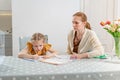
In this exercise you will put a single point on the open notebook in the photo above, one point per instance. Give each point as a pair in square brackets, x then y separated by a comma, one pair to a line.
[57, 60]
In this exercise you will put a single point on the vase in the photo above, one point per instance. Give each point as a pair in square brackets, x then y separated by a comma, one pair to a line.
[117, 46]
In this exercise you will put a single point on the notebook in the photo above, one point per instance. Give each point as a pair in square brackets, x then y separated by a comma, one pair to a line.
[57, 60]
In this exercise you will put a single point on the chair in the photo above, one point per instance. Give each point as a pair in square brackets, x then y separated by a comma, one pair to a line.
[24, 40]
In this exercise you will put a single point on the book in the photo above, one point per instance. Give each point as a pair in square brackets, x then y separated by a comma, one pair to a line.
[57, 60]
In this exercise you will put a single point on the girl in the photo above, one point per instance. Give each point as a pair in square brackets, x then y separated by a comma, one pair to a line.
[37, 47]
[82, 41]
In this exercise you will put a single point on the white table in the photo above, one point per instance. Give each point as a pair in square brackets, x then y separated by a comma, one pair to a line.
[84, 69]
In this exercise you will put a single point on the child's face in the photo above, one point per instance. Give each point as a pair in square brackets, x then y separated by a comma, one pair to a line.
[38, 45]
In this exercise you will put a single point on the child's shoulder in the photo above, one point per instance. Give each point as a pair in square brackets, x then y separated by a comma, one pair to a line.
[47, 46]
[29, 44]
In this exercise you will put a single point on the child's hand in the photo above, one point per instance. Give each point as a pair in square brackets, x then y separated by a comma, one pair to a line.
[35, 57]
[48, 56]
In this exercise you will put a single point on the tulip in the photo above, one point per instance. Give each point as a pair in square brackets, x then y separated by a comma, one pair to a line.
[102, 23]
[108, 22]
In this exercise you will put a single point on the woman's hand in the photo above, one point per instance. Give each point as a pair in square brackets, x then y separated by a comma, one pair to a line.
[74, 56]
[78, 56]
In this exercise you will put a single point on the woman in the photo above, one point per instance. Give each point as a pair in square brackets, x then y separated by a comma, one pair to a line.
[37, 47]
[82, 41]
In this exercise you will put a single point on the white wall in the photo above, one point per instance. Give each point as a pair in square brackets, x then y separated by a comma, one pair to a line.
[98, 11]
[117, 9]
[51, 17]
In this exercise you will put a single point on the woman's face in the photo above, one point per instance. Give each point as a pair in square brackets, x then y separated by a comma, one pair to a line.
[77, 23]
[38, 45]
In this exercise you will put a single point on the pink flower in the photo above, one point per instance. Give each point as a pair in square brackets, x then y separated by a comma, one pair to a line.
[112, 27]
[108, 22]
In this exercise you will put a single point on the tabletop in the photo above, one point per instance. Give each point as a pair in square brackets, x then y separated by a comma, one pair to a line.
[13, 68]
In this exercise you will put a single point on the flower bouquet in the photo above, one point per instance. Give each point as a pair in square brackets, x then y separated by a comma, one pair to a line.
[114, 29]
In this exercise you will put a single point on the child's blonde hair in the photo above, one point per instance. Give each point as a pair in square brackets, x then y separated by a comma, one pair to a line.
[37, 37]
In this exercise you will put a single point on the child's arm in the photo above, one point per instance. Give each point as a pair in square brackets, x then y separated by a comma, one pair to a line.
[53, 53]
[24, 54]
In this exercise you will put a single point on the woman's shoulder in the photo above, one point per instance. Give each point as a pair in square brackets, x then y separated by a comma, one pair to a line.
[71, 32]
[90, 32]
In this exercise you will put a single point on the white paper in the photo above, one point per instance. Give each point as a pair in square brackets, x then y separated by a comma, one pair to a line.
[63, 56]
[58, 59]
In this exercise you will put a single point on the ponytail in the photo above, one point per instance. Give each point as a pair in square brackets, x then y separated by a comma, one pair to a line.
[87, 25]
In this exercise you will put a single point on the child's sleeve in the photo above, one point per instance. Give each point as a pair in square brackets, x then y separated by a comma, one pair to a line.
[48, 46]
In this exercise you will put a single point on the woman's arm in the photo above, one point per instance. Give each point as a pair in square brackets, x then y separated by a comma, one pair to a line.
[79, 56]
[97, 48]
[69, 41]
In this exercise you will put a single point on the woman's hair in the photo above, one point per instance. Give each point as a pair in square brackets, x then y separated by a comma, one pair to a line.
[37, 37]
[83, 18]
[87, 25]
